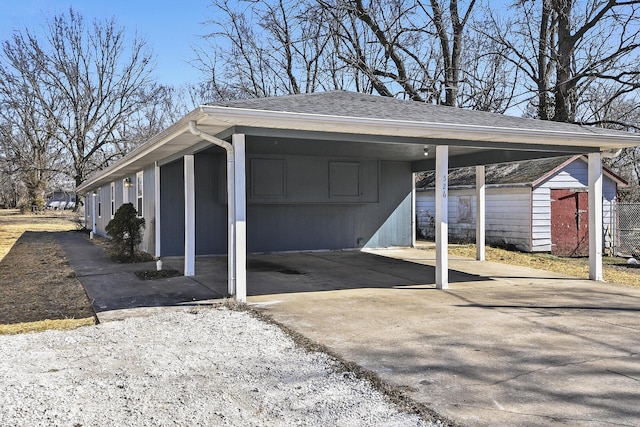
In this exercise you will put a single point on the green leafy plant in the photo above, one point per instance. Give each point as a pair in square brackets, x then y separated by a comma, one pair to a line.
[125, 230]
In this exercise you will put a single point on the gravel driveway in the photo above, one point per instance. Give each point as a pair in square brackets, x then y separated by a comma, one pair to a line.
[211, 367]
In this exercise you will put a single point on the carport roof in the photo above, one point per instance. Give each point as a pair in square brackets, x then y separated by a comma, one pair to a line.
[475, 137]
[530, 172]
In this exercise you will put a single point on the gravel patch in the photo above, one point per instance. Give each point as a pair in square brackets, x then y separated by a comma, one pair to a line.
[210, 367]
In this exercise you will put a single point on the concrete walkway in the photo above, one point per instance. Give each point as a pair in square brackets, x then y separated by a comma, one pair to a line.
[504, 346]
[116, 292]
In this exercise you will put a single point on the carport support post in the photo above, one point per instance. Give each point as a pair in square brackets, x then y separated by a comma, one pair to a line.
[240, 212]
[595, 216]
[413, 210]
[480, 212]
[156, 202]
[442, 216]
[189, 217]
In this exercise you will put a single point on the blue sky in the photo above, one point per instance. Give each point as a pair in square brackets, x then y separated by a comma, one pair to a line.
[171, 28]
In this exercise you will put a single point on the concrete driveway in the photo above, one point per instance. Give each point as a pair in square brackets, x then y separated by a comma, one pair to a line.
[505, 345]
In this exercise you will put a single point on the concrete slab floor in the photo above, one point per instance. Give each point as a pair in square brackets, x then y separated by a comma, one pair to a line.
[504, 345]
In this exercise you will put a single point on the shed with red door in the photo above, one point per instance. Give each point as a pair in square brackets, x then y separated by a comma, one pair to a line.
[534, 206]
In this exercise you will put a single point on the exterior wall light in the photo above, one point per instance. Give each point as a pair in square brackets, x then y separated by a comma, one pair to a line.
[127, 182]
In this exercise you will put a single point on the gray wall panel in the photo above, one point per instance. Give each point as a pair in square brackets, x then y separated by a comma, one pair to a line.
[149, 210]
[172, 207]
[286, 227]
[211, 215]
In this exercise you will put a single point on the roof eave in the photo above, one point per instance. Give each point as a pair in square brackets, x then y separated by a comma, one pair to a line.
[415, 129]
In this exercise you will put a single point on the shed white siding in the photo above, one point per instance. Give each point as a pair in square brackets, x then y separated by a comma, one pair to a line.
[541, 220]
[517, 216]
[508, 216]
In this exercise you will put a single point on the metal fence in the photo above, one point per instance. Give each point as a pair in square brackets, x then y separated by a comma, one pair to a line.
[626, 237]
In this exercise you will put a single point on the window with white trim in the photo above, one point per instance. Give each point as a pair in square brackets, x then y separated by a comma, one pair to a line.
[99, 202]
[139, 192]
[113, 199]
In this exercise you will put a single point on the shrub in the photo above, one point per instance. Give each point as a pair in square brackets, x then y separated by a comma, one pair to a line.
[126, 231]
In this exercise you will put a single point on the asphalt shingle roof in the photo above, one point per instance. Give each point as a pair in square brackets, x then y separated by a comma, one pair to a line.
[352, 104]
[505, 173]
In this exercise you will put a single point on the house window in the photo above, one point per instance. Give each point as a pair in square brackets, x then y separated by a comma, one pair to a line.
[113, 199]
[139, 193]
[99, 203]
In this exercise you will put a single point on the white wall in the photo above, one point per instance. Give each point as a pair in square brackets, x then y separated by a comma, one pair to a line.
[508, 215]
[517, 216]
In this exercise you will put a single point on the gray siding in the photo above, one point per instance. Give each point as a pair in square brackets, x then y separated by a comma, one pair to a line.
[211, 214]
[319, 211]
[293, 203]
[149, 210]
[172, 208]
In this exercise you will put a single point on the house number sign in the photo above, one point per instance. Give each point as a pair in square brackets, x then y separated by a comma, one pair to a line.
[444, 185]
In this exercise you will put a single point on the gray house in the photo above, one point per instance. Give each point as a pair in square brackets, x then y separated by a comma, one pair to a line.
[318, 171]
[536, 206]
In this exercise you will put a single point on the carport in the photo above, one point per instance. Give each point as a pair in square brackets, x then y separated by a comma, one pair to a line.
[343, 161]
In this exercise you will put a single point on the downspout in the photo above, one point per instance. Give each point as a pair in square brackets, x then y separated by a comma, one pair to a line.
[193, 128]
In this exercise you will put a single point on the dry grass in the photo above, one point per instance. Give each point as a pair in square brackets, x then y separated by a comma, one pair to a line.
[614, 269]
[13, 224]
[38, 288]
[44, 325]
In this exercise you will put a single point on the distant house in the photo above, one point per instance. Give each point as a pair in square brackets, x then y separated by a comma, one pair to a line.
[535, 206]
[60, 199]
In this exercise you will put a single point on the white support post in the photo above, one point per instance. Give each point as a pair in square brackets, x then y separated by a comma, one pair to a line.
[189, 217]
[94, 222]
[480, 213]
[157, 208]
[595, 216]
[442, 216]
[238, 141]
[414, 226]
[231, 217]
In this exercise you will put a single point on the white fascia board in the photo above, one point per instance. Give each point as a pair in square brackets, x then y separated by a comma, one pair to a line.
[140, 152]
[425, 130]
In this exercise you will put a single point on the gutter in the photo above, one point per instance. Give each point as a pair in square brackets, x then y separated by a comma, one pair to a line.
[231, 212]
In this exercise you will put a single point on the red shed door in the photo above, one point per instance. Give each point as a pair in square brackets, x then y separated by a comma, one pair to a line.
[569, 223]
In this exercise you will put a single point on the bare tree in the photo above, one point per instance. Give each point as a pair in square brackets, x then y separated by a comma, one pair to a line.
[85, 90]
[265, 48]
[565, 47]
[401, 48]
[30, 151]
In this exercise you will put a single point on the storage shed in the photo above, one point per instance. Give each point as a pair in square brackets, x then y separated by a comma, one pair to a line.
[535, 206]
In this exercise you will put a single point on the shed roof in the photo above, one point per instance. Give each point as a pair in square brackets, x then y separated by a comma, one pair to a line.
[373, 125]
[530, 172]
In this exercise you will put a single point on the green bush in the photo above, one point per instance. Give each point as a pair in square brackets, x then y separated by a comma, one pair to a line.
[125, 230]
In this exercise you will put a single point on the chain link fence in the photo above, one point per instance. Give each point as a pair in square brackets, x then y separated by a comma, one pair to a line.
[626, 236]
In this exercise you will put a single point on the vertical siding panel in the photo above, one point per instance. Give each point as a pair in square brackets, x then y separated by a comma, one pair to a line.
[172, 206]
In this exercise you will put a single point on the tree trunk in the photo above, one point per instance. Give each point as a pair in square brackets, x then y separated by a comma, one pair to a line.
[564, 92]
